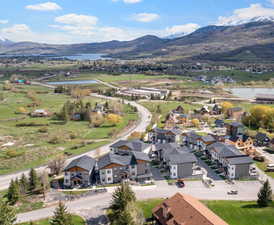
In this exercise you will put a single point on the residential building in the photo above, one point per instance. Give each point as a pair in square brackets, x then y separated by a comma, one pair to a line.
[216, 110]
[145, 92]
[40, 113]
[235, 164]
[79, 172]
[114, 168]
[182, 209]
[204, 141]
[181, 164]
[235, 129]
[124, 147]
[261, 139]
[158, 135]
[219, 123]
[243, 143]
[265, 98]
[190, 140]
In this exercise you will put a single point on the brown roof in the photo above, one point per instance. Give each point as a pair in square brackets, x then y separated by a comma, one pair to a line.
[185, 210]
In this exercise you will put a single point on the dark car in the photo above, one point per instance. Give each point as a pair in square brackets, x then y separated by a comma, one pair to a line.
[180, 183]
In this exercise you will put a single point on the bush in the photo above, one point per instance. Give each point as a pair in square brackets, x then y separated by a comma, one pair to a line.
[31, 124]
[56, 140]
[13, 153]
[43, 130]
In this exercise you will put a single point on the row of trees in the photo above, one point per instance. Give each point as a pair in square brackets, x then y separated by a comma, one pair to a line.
[32, 184]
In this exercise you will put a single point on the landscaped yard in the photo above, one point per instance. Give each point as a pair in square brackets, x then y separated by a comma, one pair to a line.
[77, 220]
[233, 212]
[32, 145]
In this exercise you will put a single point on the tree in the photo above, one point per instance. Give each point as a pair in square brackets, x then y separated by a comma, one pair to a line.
[113, 119]
[158, 109]
[33, 180]
[56, 166]
[23, 184]
[96, 120]
[225, 106]
[7, 213]
[195, 123]
[45, 183]
[13, 192]
[61, 216]
[265, 195]
[136, 136]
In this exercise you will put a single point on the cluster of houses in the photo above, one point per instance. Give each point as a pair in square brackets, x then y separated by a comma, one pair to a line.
[145, 92]
[219, 80]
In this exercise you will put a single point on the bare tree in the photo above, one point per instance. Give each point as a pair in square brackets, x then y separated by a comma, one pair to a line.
[56, 166]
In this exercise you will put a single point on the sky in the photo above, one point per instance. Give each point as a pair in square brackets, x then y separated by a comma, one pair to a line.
[87, 21]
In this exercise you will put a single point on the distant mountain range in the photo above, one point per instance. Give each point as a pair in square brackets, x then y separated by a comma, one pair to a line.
[249, 42]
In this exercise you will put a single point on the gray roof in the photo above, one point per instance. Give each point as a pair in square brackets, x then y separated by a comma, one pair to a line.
[182, 158]
[160, 146]
[208, 138]
[175, 131]
[141, 156]
[236, 124]
[110, 158]
[240, 160]
[134, 145]
[224, 150]
[84, 162]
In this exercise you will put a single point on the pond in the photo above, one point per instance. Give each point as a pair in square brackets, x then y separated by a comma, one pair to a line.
[82, 57]
[250, 93]
[73, 82]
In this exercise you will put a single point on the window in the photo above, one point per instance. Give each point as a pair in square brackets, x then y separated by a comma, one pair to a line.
[109, 179]
[133, 167]
[103, 180]
[108, 171]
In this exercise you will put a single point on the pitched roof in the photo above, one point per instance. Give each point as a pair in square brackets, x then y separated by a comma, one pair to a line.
[141, 156]
[181, 158]
[111, 158]
[236, 124]
[186, 210]
[208, 138]
[84, 162]
[134, 145]
[224, 150]
[164, 131]
[240, 160]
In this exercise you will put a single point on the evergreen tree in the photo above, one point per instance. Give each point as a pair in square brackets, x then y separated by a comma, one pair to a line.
[265, 195]
[123, 218]
[23, 184]
[61, 216]
[7, 213]
[13, 192]
[122, 196]
[33, 180]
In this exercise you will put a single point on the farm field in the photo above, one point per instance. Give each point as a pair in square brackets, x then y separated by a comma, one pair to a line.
[31, 146]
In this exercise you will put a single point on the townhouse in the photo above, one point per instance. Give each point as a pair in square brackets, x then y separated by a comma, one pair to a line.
[80, 172]
[114, 168]
[124, 147]
[158, 135]
[190, 140]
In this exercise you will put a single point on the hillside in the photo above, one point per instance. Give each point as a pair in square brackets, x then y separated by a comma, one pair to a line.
[246, 42]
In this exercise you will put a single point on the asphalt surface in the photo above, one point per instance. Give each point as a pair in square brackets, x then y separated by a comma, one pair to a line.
[141, 125]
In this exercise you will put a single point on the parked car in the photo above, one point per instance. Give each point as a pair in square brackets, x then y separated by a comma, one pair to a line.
[180, 183]
[232, 192]
[259, 158]
[270, 167]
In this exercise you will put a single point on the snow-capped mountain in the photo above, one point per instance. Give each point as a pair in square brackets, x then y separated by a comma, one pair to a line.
[174, 36]
[4, 41]
[235, 22]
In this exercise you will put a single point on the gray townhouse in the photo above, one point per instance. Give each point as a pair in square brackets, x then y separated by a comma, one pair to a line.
[235, 164]
[79, 172]
[191, 140]
[114, 168]
[125, 147]
[204, 141]
[158, 135]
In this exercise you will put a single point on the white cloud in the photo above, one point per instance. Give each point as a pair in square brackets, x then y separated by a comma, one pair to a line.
[77, 19]
[272, 2]
[47, 6]
[254, 11]
[182, 29]
[145, 17]
[4, 21]
[129, 1]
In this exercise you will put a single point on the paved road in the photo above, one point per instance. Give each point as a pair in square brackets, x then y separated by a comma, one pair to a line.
[143, 122]
[93, 207]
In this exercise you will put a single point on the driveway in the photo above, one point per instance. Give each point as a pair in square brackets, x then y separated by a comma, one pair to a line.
[143, 122]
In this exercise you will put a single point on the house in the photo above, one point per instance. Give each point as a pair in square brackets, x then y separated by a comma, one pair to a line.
[181, 164]
[182, 209]
[235, 164]
[144, 92]
[265, 98]
[158, 135]
[216, 110]
[79, 172]
[219, 123]
[124, 147]
[234, 129]
[114, 168]
[204, 141]
[190, 140]
[40, 113]
[235, 113]
[243, 143]
[178, 117]
[261, 140]
[99, 108]
[203, 111]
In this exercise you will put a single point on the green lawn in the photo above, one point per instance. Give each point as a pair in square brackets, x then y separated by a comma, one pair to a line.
[262, 166]
[77, 220]
[233, 212]
[32, 147]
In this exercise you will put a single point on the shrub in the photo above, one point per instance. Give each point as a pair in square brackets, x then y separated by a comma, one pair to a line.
[43, 130]
[12, 153]
[56, 140]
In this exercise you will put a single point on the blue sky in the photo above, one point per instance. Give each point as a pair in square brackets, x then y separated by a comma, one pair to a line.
[75, 21]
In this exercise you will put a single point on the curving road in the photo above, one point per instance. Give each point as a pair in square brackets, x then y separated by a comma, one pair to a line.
[143, 122]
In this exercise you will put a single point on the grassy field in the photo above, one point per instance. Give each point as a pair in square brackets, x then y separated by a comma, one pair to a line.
[77, 220]
[233, 212]
[32, 147]
[262, 166]
[165, 108]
